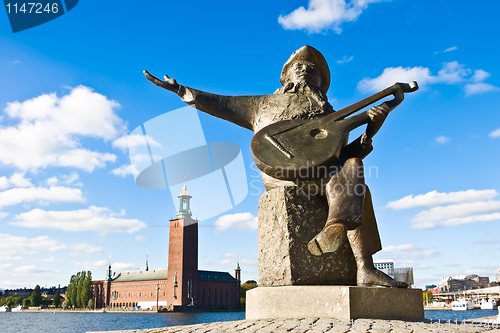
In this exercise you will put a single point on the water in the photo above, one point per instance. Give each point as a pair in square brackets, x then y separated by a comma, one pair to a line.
[64, 322]
[445, 315]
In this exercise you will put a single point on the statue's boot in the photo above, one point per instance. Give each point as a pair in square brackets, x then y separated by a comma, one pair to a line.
[367, 275]
[345, 193]
[333, 235]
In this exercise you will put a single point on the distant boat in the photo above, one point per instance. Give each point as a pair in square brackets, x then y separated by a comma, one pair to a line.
[17, 309]
[488, 304]
[4, 308]
[462, 305]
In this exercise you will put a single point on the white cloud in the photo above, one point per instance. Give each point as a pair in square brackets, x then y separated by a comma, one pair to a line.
[15, 245]
[91, 265]
[479, 88]
[16, 62]
[140, 238]
[49, 129]
[453, 48]
[30, 269]
[126, 141]
[232, 262]
[452, 73]
[238, 220]
[480, 75]
[52, 181]
[324, 14]
[125, 170]
[125, 267]
[345, 59]
[50, 260]
[408, 251]
[393, 248]
[395, 74]
[5, 266]
[495, 133]
[84, 248]
[16, 196]
[16, 180]
[11, 258]
[66, 179]
[452, 215]
[101, 265]
[3, 214]
[91, 219]
[230, 255]
[443, 139]
[482, 270]
[435, 198]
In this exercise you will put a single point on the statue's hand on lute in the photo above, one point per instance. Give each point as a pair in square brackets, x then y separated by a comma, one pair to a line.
[377, 115]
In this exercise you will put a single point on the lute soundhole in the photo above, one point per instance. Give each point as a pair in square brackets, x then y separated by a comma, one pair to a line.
[319, 134]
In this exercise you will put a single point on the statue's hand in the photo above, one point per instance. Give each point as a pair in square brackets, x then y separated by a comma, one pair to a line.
[378, 113]
[377, 116]
[365, 140]
[169, 83]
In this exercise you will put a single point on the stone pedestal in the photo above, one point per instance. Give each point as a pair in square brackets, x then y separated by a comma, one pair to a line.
[335, 302]
[288, 220]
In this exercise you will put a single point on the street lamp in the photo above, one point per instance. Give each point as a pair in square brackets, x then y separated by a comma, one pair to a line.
[157, 290]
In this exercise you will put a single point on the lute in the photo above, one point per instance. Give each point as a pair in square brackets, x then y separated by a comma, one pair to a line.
[306, 148]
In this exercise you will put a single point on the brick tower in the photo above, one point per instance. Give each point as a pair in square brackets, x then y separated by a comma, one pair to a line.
[182, 283]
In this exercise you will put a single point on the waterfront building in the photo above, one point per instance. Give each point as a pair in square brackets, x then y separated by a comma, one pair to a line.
[497, 276]
[461, 282]
[401, 274]
[384, 265]
[177, 287]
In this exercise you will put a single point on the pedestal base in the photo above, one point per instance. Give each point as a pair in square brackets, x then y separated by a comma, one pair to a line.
[288, 220]
[336, 302]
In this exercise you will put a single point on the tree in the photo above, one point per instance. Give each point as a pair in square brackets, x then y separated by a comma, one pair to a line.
[86, 289]
[57, 299]
[26, 303]
[66, 304]
[80, 289]
[36, 296]
[90, 304]
[11, 301]
[250, 284]
[427, 296]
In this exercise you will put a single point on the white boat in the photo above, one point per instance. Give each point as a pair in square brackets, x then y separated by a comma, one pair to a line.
[462, 305]
[17, 309]
[488, 304]
[4, 308]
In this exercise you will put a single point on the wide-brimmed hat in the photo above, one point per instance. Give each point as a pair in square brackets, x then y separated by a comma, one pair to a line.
[308, 53]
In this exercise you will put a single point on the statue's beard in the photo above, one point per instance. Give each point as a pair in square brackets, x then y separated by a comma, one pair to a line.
[306, 88]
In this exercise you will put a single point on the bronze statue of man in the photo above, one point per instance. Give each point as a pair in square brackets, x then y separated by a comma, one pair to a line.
[305, 79]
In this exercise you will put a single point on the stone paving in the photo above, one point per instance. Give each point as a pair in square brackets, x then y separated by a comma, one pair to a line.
[316, 325]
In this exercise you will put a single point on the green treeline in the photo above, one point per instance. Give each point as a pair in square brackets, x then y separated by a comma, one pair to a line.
[35, 299]
[250, 284]
[78, 294]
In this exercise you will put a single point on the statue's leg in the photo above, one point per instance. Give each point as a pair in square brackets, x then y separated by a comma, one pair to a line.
[344, 193]
[365, 241]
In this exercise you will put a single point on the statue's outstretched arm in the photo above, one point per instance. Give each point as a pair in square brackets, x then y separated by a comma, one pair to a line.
[240, 110]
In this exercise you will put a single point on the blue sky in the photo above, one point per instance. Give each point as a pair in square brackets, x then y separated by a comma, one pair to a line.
[71, 89]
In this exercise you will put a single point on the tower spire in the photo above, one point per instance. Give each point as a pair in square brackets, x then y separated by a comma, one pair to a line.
[108, 273]
[184, 204]
[147, 267]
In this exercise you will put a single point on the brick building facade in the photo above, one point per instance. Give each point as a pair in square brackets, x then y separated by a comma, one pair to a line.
[181, 285]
